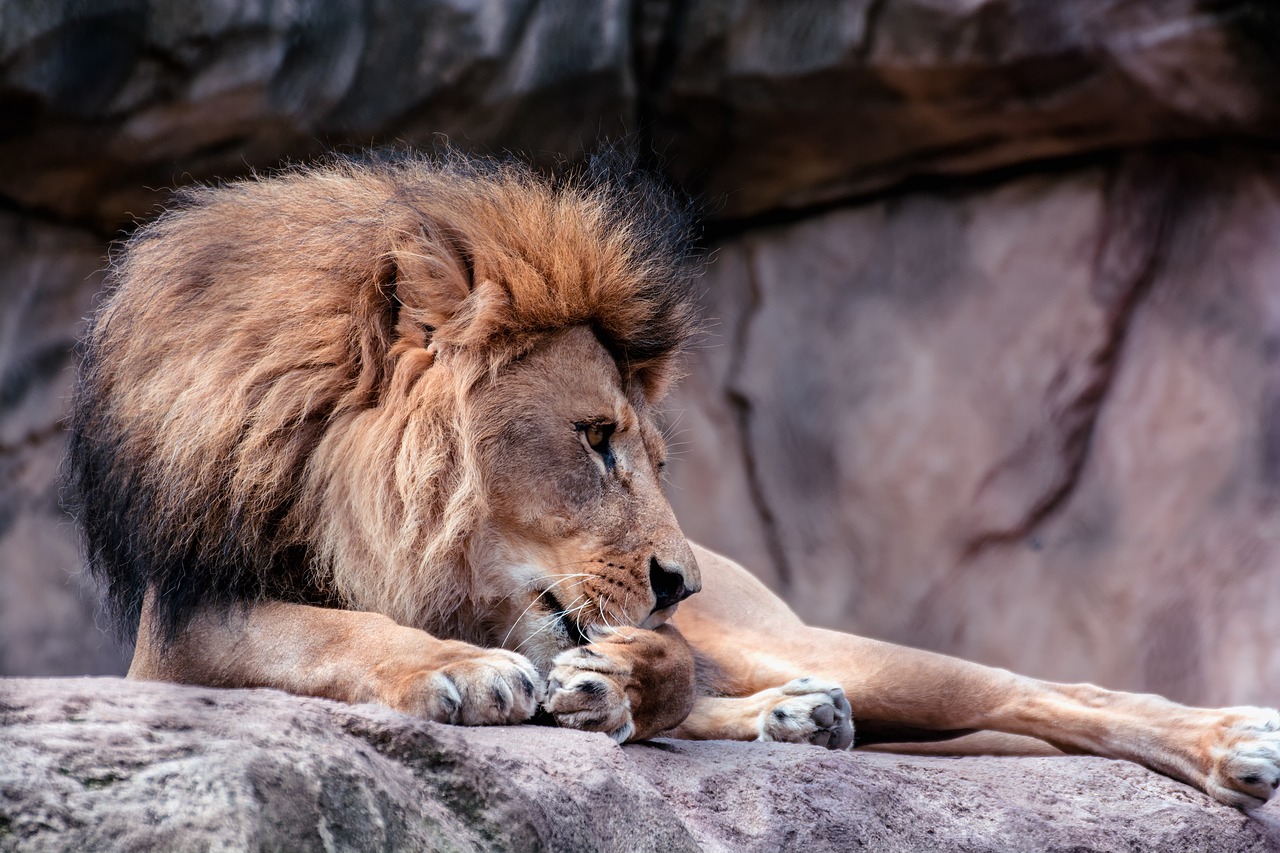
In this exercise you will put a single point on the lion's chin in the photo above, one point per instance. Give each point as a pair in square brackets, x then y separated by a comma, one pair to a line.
[658, 618]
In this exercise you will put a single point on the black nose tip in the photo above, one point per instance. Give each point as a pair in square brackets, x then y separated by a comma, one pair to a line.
[668, 585]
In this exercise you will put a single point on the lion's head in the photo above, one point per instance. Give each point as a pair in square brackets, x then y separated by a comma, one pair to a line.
[421, 387]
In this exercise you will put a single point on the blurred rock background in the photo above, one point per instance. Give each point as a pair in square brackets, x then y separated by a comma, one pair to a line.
[993, 363]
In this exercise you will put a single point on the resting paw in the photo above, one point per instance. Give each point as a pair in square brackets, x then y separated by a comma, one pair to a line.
[587, 690]
[495, 687]
[1245, 759]
[808, 710]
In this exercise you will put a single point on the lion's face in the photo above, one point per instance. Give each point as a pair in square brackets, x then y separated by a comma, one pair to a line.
[579, 538]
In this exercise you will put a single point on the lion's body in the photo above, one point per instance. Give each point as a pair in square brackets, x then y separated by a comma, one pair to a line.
[388, 431]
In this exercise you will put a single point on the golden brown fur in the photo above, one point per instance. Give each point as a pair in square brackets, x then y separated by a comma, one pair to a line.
[387, 432]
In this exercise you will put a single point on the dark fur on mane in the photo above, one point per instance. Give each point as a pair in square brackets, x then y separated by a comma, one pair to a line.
[250, 318]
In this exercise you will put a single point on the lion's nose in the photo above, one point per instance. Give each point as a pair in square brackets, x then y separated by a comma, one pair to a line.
[668, 584]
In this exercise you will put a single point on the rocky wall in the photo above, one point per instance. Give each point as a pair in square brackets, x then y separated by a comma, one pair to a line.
[989, 365]
[1036, 414]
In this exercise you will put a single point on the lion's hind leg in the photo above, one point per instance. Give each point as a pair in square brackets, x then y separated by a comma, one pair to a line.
[805, 710]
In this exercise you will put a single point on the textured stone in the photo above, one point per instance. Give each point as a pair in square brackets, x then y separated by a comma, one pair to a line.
[47, 608]
[105, 764]
[759, 105]
[785, 105]
[103, 102]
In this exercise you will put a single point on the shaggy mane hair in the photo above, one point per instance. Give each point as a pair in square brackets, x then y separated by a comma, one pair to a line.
[262, 410]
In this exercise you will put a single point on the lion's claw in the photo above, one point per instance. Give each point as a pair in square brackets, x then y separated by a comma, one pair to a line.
[495, 688]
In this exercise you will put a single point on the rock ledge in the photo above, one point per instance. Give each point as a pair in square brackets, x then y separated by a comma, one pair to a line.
[107, 764]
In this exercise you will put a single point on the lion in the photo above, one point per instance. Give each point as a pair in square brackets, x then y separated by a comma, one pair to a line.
[387, 430]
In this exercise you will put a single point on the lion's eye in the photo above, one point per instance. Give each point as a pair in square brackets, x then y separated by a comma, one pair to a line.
[596, 435]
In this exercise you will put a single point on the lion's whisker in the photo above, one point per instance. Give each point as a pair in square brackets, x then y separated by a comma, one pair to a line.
[574, 611]
[579, 608]
[534, 585]
[609, 627]
[548, 622]
[551, 621]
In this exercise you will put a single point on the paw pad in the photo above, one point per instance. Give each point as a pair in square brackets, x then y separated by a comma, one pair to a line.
[811, 711]
[1246, 772]
[587, 691]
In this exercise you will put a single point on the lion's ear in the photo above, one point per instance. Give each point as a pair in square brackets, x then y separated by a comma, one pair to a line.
[481, 318]
[438, 299]
[432, 284]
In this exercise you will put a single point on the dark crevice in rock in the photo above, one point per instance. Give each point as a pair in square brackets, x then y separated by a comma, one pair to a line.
[1252, 30]
[870, 23]
[1141, 204]
[741, 405]
[52, 217]
[718, 230]
[655, 35]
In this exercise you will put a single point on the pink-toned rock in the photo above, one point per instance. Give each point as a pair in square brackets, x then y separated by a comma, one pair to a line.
[105, 764]
[47, 281]
[1031, 423]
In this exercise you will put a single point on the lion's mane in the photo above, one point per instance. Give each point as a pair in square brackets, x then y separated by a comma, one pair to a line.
[257, 415]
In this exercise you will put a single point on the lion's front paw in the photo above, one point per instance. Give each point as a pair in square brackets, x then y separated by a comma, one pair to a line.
[808, 710]
[587, 690]
[1245, 759]
[494, 687]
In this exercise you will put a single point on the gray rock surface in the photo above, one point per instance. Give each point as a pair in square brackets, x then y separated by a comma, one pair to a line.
[759, 105]
[104, 764]
[105, 102]
[786, 105]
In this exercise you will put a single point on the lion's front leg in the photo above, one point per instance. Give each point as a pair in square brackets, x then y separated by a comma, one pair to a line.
[631, 685]
[345, 655]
